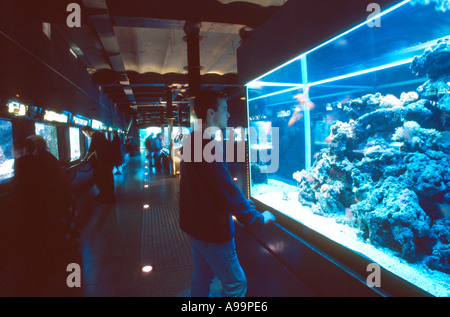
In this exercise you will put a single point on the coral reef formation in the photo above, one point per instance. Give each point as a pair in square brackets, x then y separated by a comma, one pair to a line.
[434, 62]
[387, 170]
[439, 5]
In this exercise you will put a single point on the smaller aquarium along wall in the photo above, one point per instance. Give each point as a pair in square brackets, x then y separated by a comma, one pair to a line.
[6, 151]
[361, 127]
[74, 142]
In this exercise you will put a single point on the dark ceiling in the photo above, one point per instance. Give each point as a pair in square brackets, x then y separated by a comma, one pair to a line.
[138, 51]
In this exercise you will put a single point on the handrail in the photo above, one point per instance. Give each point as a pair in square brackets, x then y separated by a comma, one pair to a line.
[76, 169]
[81, 163]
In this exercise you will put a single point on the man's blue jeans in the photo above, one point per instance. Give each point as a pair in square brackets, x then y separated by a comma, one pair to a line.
[220, 260]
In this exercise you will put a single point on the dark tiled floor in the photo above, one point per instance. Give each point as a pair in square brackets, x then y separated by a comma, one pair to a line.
[118, 239]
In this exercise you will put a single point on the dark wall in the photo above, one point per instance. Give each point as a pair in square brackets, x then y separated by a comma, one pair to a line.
[43, 72]
[298, 26]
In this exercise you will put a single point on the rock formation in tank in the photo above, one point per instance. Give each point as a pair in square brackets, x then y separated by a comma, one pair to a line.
[387, 170]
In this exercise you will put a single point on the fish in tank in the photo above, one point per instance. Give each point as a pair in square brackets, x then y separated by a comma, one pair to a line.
[364, 150]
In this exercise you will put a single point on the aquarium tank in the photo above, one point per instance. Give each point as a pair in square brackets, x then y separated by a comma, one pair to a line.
[74, 137]
[49, 134]
[6, 151]
[351, 139]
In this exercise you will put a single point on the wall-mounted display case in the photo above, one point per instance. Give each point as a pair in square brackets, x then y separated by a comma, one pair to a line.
[74, 143]
[351, 139]
[49, 132]
[6, 150]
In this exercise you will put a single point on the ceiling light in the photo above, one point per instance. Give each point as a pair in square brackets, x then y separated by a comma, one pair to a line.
[147, 268]
[46, 28]
[128, 90]
[73, 53]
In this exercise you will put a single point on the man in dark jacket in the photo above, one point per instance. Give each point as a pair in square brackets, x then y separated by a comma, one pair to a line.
[100, 148]
[116, 150]
[208, 199]
[157, 146]
[148, 146]
[44, 193]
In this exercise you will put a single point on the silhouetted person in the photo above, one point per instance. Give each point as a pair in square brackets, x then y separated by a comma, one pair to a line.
[157, 146]
[26, 199]
[117, 152]
[26, 178]
[148, 146]
[45, 195]
[26, 189]
[53, 180]
[131, 146]
[100, 151]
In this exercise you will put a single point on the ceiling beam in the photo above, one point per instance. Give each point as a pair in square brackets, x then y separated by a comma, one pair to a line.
[104, 28]
[109, 78]
[243, 13]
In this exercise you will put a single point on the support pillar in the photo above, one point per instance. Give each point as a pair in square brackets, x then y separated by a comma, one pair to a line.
[170, 119]
[193, 38]
[171, 155]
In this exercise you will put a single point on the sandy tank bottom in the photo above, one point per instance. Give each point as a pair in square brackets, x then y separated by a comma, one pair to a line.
[274, 194]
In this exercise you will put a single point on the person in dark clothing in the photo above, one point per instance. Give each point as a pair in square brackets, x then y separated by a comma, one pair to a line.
[26, 181]
[131, 146]
[208, 199]
[52, 179]
[45, 192]
[148, 146]
[100, 151]
[26, 197]
[157, 146]
[26, 190]
[116, 152]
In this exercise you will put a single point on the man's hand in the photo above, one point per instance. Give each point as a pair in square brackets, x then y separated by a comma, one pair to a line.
[268, 217]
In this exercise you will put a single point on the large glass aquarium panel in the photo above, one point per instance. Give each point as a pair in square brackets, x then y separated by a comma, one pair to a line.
[361, 126]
